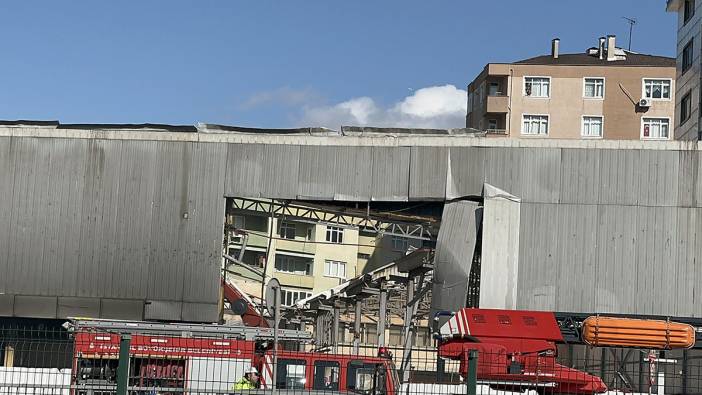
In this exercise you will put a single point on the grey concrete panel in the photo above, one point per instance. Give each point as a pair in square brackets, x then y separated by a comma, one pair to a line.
[621, 186]
[78, 307]
[390, 174]
[163, 310]
[540, 179]
[122, 309]
[35, 306]
[7, 305]
[503, 169]
[428, 169]
[537, 264]
[499, 265]
[465, 172]
[580, 174]
[262, 170]
[657, 187]
[341, 173]
[576, 231]
[200, 312]
[688, 173]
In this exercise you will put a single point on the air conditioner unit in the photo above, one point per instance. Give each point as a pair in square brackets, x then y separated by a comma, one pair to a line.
[645, 103]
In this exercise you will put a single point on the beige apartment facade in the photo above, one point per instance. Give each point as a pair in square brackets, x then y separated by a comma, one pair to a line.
[604, 93]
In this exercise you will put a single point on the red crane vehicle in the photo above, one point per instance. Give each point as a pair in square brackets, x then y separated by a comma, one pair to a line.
[517, 349]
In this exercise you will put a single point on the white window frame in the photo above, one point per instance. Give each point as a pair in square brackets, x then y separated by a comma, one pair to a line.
[536, 76]
[328, 272]
[670, 93]
[582, 126]
[295, 295]
[331, 229]
[604, 86]
[670, 129]
[548, 125]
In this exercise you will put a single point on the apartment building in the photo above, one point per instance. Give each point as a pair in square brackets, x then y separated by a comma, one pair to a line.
[602, 93]
[307, 257]
[688, 76]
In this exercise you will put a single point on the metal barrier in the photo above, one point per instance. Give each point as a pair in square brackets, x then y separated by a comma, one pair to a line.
[41, 357]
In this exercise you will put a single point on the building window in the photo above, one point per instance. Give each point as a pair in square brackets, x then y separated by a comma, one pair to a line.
[592, 127]
[290, 374]
[594, 88]
[687, 56]
[685, 108]
[293, 264]
[335, 269]
[287, 230]
[492, 124]
[400, 243]
[535, 125]
[291, 296]
[326, 376]
[335, 234]
[657, 89]
[655, 128]
[494, 89]
[689, 10]
[537, 86]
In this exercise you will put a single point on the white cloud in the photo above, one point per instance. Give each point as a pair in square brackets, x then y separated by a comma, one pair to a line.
[430, 107]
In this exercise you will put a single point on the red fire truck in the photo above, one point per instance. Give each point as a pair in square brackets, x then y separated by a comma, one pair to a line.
[162, 361]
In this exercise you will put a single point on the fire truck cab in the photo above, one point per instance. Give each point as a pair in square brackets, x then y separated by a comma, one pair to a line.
[311, 371]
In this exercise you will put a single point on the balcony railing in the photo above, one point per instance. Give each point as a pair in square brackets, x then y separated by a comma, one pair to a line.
[496, 131]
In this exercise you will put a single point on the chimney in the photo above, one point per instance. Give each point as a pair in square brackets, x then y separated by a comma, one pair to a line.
[555, 43]
[601, 47]
[611, 45]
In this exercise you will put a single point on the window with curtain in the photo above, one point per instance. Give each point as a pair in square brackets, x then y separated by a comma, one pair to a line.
[535, 125]
[592, 126]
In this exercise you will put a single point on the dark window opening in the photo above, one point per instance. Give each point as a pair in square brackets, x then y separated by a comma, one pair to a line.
[290, 374]
[326, 375]
[688, 10]
[685, 108]
[687, 56]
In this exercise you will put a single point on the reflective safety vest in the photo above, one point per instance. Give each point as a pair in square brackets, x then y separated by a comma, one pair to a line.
[244, 384]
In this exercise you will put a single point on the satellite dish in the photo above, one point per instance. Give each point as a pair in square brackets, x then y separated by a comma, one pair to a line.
[271, 287]
[239, 307]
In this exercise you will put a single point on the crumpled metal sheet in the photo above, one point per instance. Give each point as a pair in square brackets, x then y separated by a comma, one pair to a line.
[455, 246]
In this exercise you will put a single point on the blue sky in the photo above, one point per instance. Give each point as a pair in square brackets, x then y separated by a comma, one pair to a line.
[284, 63]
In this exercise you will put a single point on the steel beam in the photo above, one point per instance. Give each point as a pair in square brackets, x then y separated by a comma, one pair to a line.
[407, 230]
[357, 327]
[383, 314]
[410, 308]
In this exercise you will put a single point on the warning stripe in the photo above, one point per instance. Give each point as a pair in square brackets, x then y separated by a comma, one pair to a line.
[466, 328]
[267, 371]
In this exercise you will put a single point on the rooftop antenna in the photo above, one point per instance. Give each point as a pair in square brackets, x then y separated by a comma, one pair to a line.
[632, 22]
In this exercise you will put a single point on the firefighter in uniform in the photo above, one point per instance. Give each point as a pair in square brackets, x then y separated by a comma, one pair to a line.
[249, 381]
